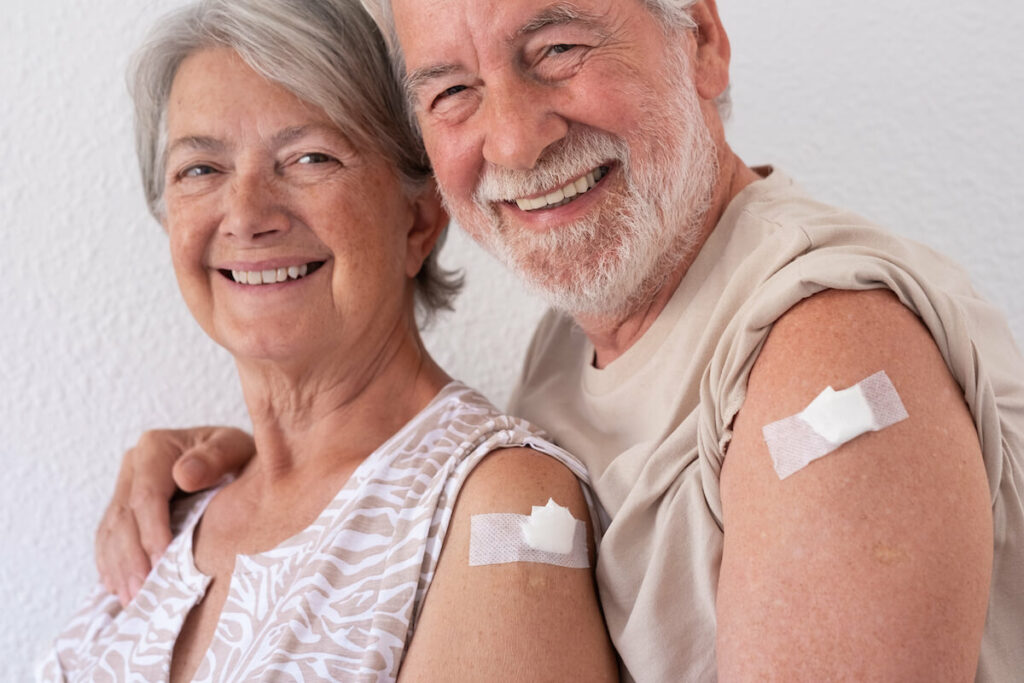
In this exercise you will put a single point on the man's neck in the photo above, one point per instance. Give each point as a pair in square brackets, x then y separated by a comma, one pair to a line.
[612, 337]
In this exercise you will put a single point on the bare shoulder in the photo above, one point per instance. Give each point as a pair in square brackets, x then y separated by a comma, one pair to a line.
[515, 479]
[518, 620]
[836, 570]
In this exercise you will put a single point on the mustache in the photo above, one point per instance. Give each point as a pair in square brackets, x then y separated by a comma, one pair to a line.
[582, 150]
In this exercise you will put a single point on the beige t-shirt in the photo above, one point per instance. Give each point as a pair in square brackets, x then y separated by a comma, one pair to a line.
[338, 601]
[654, 425]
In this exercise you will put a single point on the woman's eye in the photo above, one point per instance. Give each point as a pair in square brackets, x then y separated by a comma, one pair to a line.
[197, 170]
[314, 158]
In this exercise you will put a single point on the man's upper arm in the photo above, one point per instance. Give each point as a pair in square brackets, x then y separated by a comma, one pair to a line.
[513, 621]
[872, 562]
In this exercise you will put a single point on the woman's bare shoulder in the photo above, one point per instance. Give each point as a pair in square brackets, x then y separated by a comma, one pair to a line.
[519, 620]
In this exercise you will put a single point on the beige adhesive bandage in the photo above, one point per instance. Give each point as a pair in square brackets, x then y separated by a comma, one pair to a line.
[550, 535]
[832, 419]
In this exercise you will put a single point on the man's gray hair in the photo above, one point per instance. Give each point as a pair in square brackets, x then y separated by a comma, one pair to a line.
[674, 15]
[326, 52]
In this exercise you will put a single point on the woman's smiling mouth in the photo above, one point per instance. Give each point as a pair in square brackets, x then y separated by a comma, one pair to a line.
[271, 276]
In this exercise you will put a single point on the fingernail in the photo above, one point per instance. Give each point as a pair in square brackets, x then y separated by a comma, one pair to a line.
[134, 584]
[194, 468]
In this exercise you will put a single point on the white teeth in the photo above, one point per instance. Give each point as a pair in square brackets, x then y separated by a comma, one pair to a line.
[563, 194]
[269, 276]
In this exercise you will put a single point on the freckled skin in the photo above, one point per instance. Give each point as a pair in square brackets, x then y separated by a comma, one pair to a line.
[257, 179]
[261, 203]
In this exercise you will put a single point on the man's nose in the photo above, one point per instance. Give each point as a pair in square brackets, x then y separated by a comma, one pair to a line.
[520, 124]
[253, 209]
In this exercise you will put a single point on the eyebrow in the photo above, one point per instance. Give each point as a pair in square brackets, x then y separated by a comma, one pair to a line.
[206, 143]
[558, 14]
[195, 142]
[415, 80]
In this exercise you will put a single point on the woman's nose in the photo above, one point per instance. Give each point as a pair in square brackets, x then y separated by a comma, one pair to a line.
[254, 209]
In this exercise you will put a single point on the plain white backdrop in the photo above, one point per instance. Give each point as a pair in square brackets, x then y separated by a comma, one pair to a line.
[911, 113]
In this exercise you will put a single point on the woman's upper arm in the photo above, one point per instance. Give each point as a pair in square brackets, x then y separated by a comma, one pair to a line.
[516, 621]
[872, 562]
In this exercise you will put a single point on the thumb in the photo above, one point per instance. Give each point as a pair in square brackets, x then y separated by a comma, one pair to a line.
[215, 454]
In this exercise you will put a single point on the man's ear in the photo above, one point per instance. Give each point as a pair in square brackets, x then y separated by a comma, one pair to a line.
[711, 67]
[429, 221]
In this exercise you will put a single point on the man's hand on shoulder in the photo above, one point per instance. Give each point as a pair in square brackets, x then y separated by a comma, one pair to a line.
[872, 562]
[135, 529]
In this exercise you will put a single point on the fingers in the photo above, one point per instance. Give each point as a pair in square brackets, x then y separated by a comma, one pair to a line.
[135, 529]
[152, 488]
[214, 453]
[125, 566]
[120, 558]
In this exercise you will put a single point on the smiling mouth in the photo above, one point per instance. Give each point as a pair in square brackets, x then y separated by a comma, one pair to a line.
[272, 275]
[569, 192]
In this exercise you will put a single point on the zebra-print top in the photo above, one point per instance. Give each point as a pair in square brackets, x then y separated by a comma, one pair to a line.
[338, 601]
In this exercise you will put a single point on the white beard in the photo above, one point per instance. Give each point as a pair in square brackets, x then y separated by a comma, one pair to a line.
[616, 258]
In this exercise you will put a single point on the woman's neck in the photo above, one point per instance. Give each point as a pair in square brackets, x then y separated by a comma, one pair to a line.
[314, 420]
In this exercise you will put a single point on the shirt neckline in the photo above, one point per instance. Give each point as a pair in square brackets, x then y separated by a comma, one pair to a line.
[197, 581]
[601, 381]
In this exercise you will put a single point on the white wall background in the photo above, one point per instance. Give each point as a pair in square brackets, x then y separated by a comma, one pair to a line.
[911, 112]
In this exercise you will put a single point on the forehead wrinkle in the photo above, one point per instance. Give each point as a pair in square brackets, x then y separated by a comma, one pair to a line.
[557, 14]
[293, 133]
[208, 143]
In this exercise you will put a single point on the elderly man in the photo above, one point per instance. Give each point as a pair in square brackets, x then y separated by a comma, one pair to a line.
[698, 306]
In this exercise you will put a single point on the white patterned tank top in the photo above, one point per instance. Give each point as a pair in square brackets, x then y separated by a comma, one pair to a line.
[338, 601]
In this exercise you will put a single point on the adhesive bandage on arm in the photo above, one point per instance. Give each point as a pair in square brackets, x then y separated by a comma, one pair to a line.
[832, 419]
[550, 535]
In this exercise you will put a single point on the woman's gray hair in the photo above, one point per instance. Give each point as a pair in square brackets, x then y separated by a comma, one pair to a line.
[326, 52]
[673, 15]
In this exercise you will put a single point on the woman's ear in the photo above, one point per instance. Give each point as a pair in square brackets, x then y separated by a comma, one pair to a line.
[429, 221]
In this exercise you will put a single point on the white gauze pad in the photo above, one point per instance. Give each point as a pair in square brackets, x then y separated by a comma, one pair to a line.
[550, 535]
[832, 419]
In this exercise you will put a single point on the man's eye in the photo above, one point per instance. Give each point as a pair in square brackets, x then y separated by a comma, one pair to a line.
[314, 158]
[449, 92]
[561, 48]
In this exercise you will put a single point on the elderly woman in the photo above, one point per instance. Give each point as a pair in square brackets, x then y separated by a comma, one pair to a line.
[277, 155]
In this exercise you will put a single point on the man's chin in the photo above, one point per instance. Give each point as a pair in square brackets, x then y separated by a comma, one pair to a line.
[576, 293]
